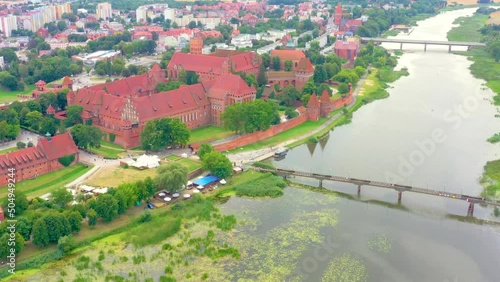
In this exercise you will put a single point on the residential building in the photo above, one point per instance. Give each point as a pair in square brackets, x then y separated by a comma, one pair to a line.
[169, 14]
[104, 11]
[38, 160]
[141, 14]
[123, 107]
[61, 9]
[8, 24]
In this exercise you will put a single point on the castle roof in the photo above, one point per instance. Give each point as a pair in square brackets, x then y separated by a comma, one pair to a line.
[227, 84]
[59, 146]
[305, 65]
[313, 101]
[50, 109]
[67, 81]
[325, 97]
[197, 63]
[40, 82]
[288, 55]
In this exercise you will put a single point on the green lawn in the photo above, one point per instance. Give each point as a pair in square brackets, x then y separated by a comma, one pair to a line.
[208, 133]
[468, 29]
[107, 152]
[111, 145]
[8, 150]
[190, 164]
[45, 183]
[10, 96]
[173, 157]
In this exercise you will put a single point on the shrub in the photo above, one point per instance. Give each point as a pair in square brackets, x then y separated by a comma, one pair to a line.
[264, 165]
[226, 222]
[30, 144]
[145, 217]
[495, 138]
[21, 145]
[313, 140]
[66, 160]
[266, 186]
[112, 137]
[88, 122]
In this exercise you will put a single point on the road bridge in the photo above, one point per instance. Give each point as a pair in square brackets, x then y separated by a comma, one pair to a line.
[370, 183]
[402, 41]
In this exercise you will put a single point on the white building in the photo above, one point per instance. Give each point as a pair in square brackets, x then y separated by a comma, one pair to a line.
[141, 14]
[169, 14]
[82, 11]
[8, 24]
[104, 11]
[2, 62]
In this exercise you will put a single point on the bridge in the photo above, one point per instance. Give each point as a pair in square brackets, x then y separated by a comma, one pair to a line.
[397, 187]
[423, 42]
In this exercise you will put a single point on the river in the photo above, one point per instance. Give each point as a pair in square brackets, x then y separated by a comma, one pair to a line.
[431, 132]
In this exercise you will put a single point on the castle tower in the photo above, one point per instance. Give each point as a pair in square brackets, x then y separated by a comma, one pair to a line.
[338, 14]
[67, 83]
[326, 105]
[196, 46]
[313, 108]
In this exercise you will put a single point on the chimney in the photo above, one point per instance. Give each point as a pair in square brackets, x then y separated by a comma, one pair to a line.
[48, 137]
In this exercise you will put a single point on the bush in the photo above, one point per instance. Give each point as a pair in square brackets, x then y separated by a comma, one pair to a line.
[264, 165]
[495, 138]
[226, 222]
[66, 160]
[88, 122]
[66, 243]
[112, 137]
[313, 140]
[21, 145]
[266, 186]
[145, 217]
[30, 144]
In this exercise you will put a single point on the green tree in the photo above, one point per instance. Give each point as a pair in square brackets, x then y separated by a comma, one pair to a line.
[60, 197]
[123, 203]
[75, 221]
[266, 60]
[204, 149]
[86, 136]
[92, 216]
[48, 124]
[288, 65]
[34, 119]
[6, 245]
[61, 25]
[305, 99]
[171, 177]
[276, 63]
[107, 207]
[319, 74]
[40, 233]
[66, 243]
[289, 95]
[261, 76]
[20, 200]
[73, 114]
[160, 133]
[218, 164]
[23, 226]
[343, 88]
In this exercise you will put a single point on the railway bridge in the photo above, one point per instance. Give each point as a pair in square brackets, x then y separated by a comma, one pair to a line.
[472, 200]
[422, 42]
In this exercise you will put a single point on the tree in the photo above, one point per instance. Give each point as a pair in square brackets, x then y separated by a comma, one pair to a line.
[8, 80]
[276, 63]
[23, 226]
[205, 148]
[20, 200]
[66, 243]
[289, 95]
[261, 76]
[171, 177]
[305, 99]
[122, 202]
[288, 65]
[61, 196]
[61, 25]
[343, 88]
[20, 145]
[40, 233]
[92, 216]
[86, 136]
[73, 114]
[75, 221]
[218, 164]
[191, 77]
[33, 120]
[160, 133]
[6, 245]
[266, 60]
[319, 74]
[48, 124]
[107, 207]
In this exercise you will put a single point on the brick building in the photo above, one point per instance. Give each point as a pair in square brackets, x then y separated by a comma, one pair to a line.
[41, 87]
[124, 106]
[302, 72]
[347, 49]
[40, 159]
[211, 66]
[288, 55]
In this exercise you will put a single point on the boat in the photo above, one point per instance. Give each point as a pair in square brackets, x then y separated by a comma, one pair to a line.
[281, 153]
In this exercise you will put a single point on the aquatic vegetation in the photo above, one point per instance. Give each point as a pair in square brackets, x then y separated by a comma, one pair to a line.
[380, 242]
[345, 268]
[268, 185]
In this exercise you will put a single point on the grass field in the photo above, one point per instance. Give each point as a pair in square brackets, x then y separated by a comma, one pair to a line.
[111, 145]
[114, 176]
[5, 151]
[45, 183]
[107, 152]
[10, 96]
[468, 28]
[207, 133]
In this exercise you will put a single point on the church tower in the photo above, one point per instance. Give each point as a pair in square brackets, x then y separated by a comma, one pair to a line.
[196, 46]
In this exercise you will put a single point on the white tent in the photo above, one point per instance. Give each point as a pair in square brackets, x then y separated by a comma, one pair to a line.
[101, 190]
[223, 181]
[145, 161]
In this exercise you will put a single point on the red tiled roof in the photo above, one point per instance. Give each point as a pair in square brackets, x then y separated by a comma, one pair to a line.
[305, 65]
[285, 55]
[346, 45]
[227, 84]
[40, 82]
[60, 146]
[354, 22]
[197, 63]
[142, 33]
[313, 101]
[50, 109]
[325, 97]
[22, 158]
[67, 80]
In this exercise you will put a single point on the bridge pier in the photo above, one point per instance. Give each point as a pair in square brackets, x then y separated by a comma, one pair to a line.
[321, 183]
[449, 49]
[359, 190]
[401, 46]
[400, 196]
[470, 211]
[425, 47]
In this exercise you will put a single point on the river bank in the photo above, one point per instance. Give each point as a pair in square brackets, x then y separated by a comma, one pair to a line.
[483, 67]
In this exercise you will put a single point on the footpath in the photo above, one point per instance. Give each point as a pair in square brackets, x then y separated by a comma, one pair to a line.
[264, 153]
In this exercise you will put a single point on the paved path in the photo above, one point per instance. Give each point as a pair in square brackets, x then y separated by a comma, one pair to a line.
[261, 154]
